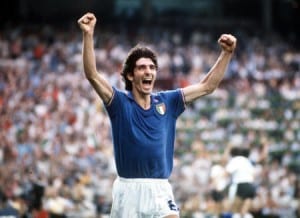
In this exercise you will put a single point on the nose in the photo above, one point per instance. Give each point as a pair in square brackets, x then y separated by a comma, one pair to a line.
[147, 70]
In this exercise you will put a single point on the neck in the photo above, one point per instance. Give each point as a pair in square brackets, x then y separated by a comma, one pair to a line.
[143, 100]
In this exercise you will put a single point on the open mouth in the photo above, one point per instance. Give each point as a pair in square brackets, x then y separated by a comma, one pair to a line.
[147, 81]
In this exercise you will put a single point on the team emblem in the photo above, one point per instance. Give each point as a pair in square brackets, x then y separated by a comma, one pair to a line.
[161, 108]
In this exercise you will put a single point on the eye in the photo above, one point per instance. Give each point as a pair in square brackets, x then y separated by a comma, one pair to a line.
[152, 67]
[141, 67]
[144, 67]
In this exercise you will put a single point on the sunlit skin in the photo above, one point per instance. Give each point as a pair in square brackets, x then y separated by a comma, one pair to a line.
[142, 95]
[145, 72]
[143, 79]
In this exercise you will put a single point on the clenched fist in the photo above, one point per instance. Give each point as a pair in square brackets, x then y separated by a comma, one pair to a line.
[227, 42]
[87, 23]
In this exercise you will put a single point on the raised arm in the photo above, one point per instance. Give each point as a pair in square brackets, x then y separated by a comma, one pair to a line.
[211, 81]
[87, 24]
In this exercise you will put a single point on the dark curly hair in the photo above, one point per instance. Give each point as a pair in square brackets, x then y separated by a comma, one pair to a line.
[137, 52]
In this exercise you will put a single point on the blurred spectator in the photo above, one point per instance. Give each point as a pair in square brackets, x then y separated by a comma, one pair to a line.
[49, 147]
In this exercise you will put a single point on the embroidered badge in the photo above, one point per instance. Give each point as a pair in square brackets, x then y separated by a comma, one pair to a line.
[161, 108]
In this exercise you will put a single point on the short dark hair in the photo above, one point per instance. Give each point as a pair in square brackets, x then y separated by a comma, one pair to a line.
[239, 151]
[137, 52]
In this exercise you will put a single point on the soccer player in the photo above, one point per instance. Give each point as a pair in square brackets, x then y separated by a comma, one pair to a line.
[143, 124]
[242, 191]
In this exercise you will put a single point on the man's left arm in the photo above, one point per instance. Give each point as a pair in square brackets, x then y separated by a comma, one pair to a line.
[211, 81]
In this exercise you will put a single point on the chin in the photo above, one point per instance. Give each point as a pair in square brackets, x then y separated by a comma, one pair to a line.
[147, 92]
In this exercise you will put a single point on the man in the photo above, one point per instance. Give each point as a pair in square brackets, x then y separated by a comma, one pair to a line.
[10, 207]
[143, 124]
[242, 190]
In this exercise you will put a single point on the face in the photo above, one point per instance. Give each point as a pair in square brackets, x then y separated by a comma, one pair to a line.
[144, 76]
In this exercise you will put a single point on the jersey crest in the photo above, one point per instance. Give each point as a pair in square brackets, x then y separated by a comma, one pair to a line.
[161, 108]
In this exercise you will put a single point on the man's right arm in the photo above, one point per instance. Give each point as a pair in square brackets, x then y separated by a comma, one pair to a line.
[100, 84]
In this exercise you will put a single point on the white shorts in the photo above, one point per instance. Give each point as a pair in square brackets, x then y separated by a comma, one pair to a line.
[142, 198]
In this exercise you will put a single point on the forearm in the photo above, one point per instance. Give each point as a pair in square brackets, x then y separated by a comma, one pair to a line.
[213, 78]
[217, 72]
[211, 81]
[102, 87]
[87, 24]
[88, 55]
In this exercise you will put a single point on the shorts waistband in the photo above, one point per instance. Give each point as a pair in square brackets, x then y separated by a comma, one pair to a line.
[143, 180]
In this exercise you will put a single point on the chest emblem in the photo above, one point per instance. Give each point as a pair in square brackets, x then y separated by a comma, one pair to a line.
[161, 108]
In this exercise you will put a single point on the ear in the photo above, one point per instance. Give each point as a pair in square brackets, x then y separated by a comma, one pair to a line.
[130, 77]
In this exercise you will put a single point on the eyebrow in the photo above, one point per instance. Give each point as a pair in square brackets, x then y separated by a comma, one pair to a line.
[145, 65]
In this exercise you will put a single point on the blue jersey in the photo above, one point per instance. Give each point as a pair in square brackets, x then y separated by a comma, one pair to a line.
[144, 139]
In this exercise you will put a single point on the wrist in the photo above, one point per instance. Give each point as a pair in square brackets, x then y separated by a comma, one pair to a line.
[88, 33]
[227, 52]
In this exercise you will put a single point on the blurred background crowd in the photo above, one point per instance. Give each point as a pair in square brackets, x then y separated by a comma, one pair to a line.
[56, 153]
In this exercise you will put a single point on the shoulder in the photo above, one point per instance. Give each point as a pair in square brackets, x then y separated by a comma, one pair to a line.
[118, 97]
[118, 93]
